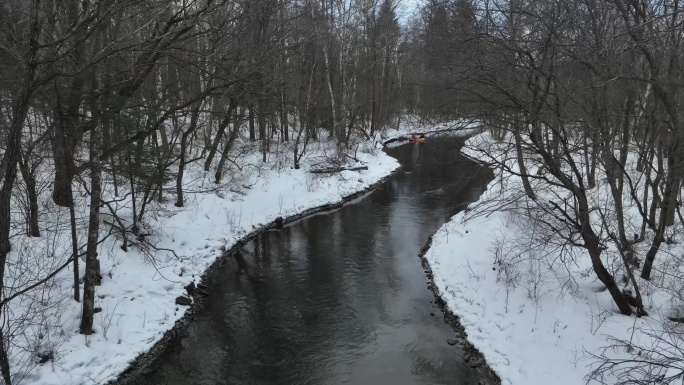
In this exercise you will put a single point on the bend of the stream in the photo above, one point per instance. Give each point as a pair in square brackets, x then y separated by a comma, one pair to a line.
[339, 297]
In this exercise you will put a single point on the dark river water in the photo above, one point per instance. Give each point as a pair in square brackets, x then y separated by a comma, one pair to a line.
[337, 298]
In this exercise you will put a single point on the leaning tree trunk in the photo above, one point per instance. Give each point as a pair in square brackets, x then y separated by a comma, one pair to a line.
[591, 240]
[594, 248]
[521, 163]
[224, 154]
[219, 135]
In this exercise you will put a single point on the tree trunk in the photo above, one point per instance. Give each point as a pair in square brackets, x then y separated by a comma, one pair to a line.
[91, 273]
[262, 133]
[609, 282]
[655, 186]
[285, 124]
[92, 265]
[219, 135]
[63, 148]
[672, 189]
[252, 133]
[30, 180]
[333, 105]
[10, 159]
[384, 110]
[74, 252]
[131, 181]
[106, 142]
[4, 361]
[226, 150]
[68, 131]
[614, 173]
[667, 211]
[589, 161]
[183, 150]
[521, 162]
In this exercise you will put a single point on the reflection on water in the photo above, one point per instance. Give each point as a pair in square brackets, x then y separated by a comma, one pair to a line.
[337, 298]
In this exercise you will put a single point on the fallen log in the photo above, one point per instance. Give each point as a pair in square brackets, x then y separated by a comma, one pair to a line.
[337, 169]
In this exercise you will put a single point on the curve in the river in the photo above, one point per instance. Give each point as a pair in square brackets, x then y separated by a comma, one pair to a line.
[336, 298]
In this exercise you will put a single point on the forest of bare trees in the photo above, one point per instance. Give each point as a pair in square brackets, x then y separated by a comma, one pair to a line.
[583, 86]
[589, 95]
[128, 94]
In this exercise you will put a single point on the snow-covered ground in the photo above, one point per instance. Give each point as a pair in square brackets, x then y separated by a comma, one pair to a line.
[139, 289]
[534, 309]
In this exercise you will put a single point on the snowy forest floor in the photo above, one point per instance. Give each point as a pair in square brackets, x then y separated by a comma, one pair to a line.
[534, 308]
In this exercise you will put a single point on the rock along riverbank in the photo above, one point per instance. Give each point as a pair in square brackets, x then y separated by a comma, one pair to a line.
[472, 356]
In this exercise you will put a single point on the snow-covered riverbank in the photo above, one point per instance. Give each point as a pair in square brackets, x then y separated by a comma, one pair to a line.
[537, 313]
[138, 294]
[139, 289]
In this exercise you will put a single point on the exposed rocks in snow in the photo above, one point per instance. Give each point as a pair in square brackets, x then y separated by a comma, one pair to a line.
[190, 288]
[183, 301]
[279, 222]
[471, 353]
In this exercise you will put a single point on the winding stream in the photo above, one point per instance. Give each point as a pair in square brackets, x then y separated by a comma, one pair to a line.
[339, 297]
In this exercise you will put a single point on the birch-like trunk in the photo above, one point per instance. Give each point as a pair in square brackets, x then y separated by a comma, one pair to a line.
[92, 276]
